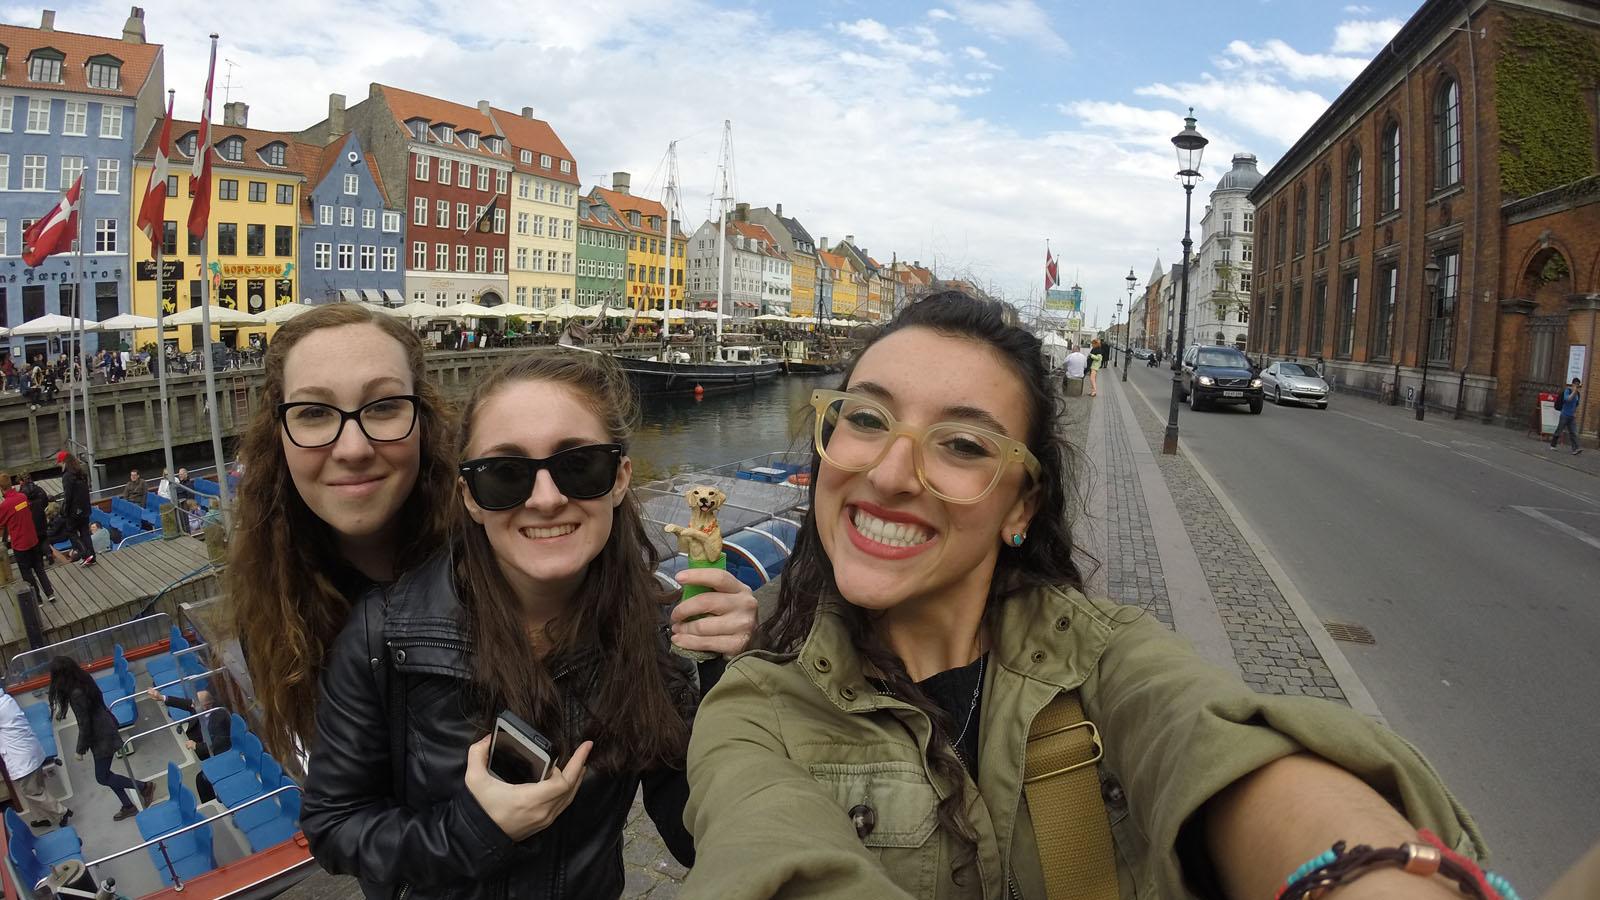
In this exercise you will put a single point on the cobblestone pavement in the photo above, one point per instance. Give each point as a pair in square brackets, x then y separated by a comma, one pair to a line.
[1273, 649]
[1133, 569]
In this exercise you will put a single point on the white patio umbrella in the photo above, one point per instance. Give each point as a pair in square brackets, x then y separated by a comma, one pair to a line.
[475, 311]
[702, 314]
[220, 315]
[284, 312]
[416, 310]
[126, 322]
[770, 317]
[564, 310]
[649, 314]
[588, 312]
[53, 324]
[528, 313]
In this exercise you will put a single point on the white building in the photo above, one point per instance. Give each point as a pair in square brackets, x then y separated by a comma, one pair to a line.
[756, 277]
[1219, 275]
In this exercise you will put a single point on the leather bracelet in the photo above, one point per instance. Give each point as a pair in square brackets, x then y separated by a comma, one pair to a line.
[1339, 866]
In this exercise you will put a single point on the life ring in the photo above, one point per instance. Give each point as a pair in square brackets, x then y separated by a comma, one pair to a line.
[800, 478]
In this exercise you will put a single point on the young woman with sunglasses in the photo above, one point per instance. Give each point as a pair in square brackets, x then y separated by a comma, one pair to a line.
[931, 612]
[350, 471]
[545, 605]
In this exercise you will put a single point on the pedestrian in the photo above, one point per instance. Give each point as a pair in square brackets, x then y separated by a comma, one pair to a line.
[99, 537]
[73, 688]
[134, 490]
[547, 606]
[933, 663]
[1096, 358]
[8, 371]
[1567, 406]
[1077, 365]
[24, 760]
[207, 734]
[17, 521]
[75, 499]
[38, 502]
[55, 532]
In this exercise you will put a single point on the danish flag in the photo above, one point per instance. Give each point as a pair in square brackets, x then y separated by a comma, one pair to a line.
[200, 176]
[152, 213]
[54, 233]
[1051, 277]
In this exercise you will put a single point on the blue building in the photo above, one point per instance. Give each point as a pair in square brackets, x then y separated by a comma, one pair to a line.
[351, 237]
[70, 104]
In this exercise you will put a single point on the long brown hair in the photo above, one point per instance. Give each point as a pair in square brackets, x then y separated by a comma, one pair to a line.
[286, 610]
[1046, 558]
[638, 704]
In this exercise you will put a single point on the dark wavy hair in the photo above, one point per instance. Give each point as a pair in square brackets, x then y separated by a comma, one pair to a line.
[641, 699]
[1045, 559]
[66, 676]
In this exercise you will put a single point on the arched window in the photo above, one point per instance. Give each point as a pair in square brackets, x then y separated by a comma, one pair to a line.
[1299, 220]
[1447, 133]
[1266, 245]
[1324, 205]
[1352, 189]
[1389, 190]
[1283, 231]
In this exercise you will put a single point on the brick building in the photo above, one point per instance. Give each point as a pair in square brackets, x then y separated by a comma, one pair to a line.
[1470, 141]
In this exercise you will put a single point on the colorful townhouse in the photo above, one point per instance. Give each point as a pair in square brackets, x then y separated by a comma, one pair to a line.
[544, 211]
[602, 257]
[448, 166]
[71, 104]
[849, 281]
[655, 262]
[352, 237]
[801, 251]
[830, 267]
[256, 185]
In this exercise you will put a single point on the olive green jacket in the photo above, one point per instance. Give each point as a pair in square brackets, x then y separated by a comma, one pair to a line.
[786, 745]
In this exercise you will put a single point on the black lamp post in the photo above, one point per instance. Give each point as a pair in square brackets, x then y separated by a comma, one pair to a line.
[1127, 353]
[1111, 334]
[1431, 283]
[1191, 146]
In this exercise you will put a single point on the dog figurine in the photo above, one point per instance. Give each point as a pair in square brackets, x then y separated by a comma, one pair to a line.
[701, 540]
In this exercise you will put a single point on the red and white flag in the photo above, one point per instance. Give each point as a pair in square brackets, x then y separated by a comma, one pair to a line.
[54, 233]
[152, 214]
[1051, 277]
[200, 175]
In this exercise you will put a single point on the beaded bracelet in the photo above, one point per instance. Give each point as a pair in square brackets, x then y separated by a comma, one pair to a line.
[1338, 866]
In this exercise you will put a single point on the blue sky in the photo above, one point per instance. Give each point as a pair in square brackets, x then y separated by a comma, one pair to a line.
[964, 132]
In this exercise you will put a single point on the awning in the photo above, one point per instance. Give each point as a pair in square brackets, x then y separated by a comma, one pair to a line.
[350, 296]
[393, 296]
[372, 296]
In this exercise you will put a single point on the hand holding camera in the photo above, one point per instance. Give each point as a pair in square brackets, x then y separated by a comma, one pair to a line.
[513, 777]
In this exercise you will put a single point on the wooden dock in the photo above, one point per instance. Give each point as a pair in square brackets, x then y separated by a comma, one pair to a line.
[114, 590]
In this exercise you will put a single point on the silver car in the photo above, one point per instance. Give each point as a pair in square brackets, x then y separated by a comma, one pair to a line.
[1292, 382]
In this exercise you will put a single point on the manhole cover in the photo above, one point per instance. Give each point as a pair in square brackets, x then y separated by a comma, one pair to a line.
[1351, 634]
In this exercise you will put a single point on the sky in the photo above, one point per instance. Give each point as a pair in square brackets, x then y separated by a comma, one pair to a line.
[963, 134]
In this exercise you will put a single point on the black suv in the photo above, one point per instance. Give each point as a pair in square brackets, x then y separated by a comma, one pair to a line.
[1220, 375]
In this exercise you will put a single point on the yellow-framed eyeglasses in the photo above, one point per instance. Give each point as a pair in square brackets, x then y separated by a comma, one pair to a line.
[955, 461]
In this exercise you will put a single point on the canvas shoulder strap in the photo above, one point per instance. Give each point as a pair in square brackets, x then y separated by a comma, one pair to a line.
[1062, 785]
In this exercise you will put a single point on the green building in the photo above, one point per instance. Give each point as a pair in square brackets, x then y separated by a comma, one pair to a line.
[602, 257]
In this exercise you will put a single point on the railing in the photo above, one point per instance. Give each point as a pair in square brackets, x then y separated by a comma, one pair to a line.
[100, 643]
[127, 765]
[182, 679]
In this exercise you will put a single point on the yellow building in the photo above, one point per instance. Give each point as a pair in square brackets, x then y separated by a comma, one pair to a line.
[257, 182]
[544, 212]
[649, 286]
[803, 283]
[849, 294]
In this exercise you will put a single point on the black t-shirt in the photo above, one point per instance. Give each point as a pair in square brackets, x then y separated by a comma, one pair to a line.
[959, 692]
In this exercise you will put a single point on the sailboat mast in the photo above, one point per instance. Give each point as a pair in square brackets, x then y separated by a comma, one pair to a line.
[669, 201]
[722, 221]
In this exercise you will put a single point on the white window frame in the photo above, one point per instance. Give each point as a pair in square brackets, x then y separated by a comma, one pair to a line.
[369, 257]
[322, 256]
[5, 173]
[522, 223]
[369, 218]
[483, 178]
[419, 211]
[461, 258]
[444, 171]
[464, 176]
[566, 167]
[522, 258]
[499, 260]
[463, 211]
[107, 176]
[389, 258]
[441, 257]
[8, 106]
[419, 255]
[544, 160]
[391, 220]
[499, 221]
[522, 186]
[502, 181]
[352, 184]
[70, 174]
[527, 157]
[347, 217]
[480, 260]
[105, 235]
[441, 212]
[38, 115]
[75, 118]
[347, 257]
[325, 214]
[424, 165]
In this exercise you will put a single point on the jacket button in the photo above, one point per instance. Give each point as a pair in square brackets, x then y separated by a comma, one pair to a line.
[864, 818]
[822, 664]
[847, 692]
[1063, 623]
[399, 656]
[1038, 656]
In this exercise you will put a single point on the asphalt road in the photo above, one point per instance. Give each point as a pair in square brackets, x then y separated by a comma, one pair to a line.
[1476, 568]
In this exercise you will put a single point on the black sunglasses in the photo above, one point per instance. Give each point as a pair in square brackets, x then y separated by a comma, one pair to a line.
[506, 482]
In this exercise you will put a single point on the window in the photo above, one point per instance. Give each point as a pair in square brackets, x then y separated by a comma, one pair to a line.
[500, 221]
[1441, 328]
[441, 257]
[227, 239]
[1352, 189]
[286, 194]
[522, 223]
[447, 134]
[369, 218]
[522, 257]
[232, 149]
[538, 226]
[1244, 283]
[527, 157]
[419, 211]
[282, 240]
[228, 189]
[537, 260]
[186, 144]
[444, 171]
[255, 240]
[422, 167]
[1292, 343]
[169, 238]
[352, 185]
[1447, 134]
[544, 160]
[566, 263]
[325, 214]
[38, 115]
[566, 229]
[71, 168]
[1390, 188]
[442, 214]
[7, 105]
[105, 235]
[108, 176]
[538, 190]
[480, 259]
[1249, 221]
[172, 185]
[194, 250]
[522, 185]
[1383, 315]
[369, 258]
[391, 259]
[258, 192]
[347, 216]
[566, 166]
[1300, 220]
[461, 257]
[419, 254]
[483, 178]
[499, 260]
[75, 122]
[463, 217]
[471, 139]
[105, 76]
[273, 154]
[347, 257]
[1348, 295]
[1324, 205]
[44, 67]
[522, 290]
[1282, 250]
[1247, 252]
[501, 179]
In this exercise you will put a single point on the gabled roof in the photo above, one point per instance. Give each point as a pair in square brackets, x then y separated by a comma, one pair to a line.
[407, 106]
[298, 158]
[537, 136]
[750, 231]
[138, 60]
[592, 216]
[646, 208]
[796, 230]
[831, 260]
[332, 154]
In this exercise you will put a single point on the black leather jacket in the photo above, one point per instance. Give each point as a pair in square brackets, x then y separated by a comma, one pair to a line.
[428, 837]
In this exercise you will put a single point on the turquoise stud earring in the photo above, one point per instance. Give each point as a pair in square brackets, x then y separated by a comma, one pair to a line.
[1016, 540]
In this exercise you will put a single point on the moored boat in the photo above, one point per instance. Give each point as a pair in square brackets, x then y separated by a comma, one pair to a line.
[740, 367]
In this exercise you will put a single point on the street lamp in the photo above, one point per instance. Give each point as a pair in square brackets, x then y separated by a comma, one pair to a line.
[1128, 338]
[1111, 334]
[1431, 284]
[1191, 146]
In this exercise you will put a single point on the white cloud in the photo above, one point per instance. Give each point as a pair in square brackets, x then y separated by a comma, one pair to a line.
[1364, 37]
[1359, 10]
[1010, 20]
[1278, 55]
[916, 43]
[1261, 106]
[942, 15]
[977, 55]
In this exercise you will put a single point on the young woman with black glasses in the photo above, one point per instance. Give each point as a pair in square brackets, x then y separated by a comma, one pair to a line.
[544, 604]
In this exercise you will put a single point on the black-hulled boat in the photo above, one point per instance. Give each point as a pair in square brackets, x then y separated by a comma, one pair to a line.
[740, 367]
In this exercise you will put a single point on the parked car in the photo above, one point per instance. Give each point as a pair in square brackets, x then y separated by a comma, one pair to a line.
[1292, 382]
[1220, 375]
[1142, 353]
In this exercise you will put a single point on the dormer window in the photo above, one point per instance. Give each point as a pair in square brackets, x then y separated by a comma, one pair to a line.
[445, 133]
[633, 217]
[44, 66]
[470, 138]
[273, 154]
[418, 129]
[105, 73]
[544, 160]
[232, 149]
[187, 143]
[5, 54]
[495, 145]
[527, 157]
[566, 167]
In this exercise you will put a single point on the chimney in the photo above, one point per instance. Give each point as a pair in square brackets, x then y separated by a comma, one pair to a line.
[822, 242]
[47, 22]
[741, 212]
[780, 210]
[483, 108]
[850, 239]
[133, 29]
[336, 115]
[236, 113]
[527, 112]
[621, 182]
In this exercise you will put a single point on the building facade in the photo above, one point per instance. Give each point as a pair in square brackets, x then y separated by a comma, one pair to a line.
[756, 274]
[655, 264]
[801, 251]
[71, 104]
[1419, 163]
[544, 212]
[257, 180]
[848, 292]
[1220, 275]
[602, 257]
[352, 238]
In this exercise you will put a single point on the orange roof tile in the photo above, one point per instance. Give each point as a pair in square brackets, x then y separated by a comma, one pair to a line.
[138, 60]
[298, 158]
[833, 260]
[752, 231]
[407, 105]
[536, 136]
[589, 219]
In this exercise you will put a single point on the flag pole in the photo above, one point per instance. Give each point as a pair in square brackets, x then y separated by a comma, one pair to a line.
[88, 411]
[205, 321]
[161, 326]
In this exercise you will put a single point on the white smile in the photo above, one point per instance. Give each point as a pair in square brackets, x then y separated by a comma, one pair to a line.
[552, 532]
[891, 534]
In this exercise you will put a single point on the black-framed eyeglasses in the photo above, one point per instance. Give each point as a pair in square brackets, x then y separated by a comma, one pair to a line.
[506, 482]
[310, 425]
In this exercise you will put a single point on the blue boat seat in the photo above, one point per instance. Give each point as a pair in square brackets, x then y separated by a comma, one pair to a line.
[280, 827]
[206, 486]
[271, 778]
[243, 758]
[39, 720]
[168, 815]
[34, 855]
[191, 852]
[246, 784]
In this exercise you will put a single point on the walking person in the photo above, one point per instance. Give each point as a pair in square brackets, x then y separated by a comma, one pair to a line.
[24, 760]
[1567, 405]
[73, 688]
[16, 518]
[75, 505]
[1097, 358]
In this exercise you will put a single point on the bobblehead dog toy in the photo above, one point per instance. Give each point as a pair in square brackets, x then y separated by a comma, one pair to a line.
[701, 541]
